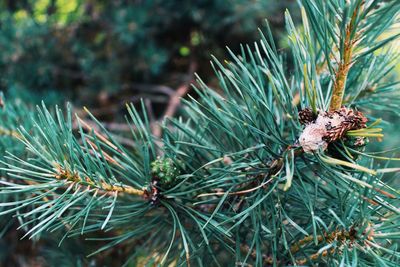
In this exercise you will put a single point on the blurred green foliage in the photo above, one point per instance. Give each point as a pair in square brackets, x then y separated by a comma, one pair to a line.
[74, 45]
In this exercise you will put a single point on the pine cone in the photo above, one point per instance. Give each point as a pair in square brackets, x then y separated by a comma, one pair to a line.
[352, 120]
[165, 171]
[307, 116]
[328, 126]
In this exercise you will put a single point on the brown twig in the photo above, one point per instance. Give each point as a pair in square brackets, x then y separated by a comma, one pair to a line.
[341, 236]
[63, 174]
[12, 133]
[89, 128]
[175, 99]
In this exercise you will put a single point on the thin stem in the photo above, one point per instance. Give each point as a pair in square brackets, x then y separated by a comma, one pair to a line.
[6, 132]
[67, 175]
[344, 64]
[340, 236]
[175, 99]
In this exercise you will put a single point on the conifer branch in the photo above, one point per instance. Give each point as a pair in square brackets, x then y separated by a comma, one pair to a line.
[342, 237]
[242, 144]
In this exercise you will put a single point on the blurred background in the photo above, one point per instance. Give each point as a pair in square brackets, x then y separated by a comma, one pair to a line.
[103, 54]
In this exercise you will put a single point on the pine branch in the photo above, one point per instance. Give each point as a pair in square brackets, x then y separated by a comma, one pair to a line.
[105, 187]
[232, 175]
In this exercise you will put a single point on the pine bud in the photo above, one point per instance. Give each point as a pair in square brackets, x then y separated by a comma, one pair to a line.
[307, 116]
[164, 170]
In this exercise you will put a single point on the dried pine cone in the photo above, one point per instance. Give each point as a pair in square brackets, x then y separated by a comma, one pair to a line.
[327, 127]
[307, 116]
[351, 120]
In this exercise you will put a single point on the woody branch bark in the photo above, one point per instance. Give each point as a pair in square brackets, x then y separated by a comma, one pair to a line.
[344, 64]
[63, 174]
[7, 132]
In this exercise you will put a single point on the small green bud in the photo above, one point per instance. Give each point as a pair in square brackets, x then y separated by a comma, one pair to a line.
[164, 169]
